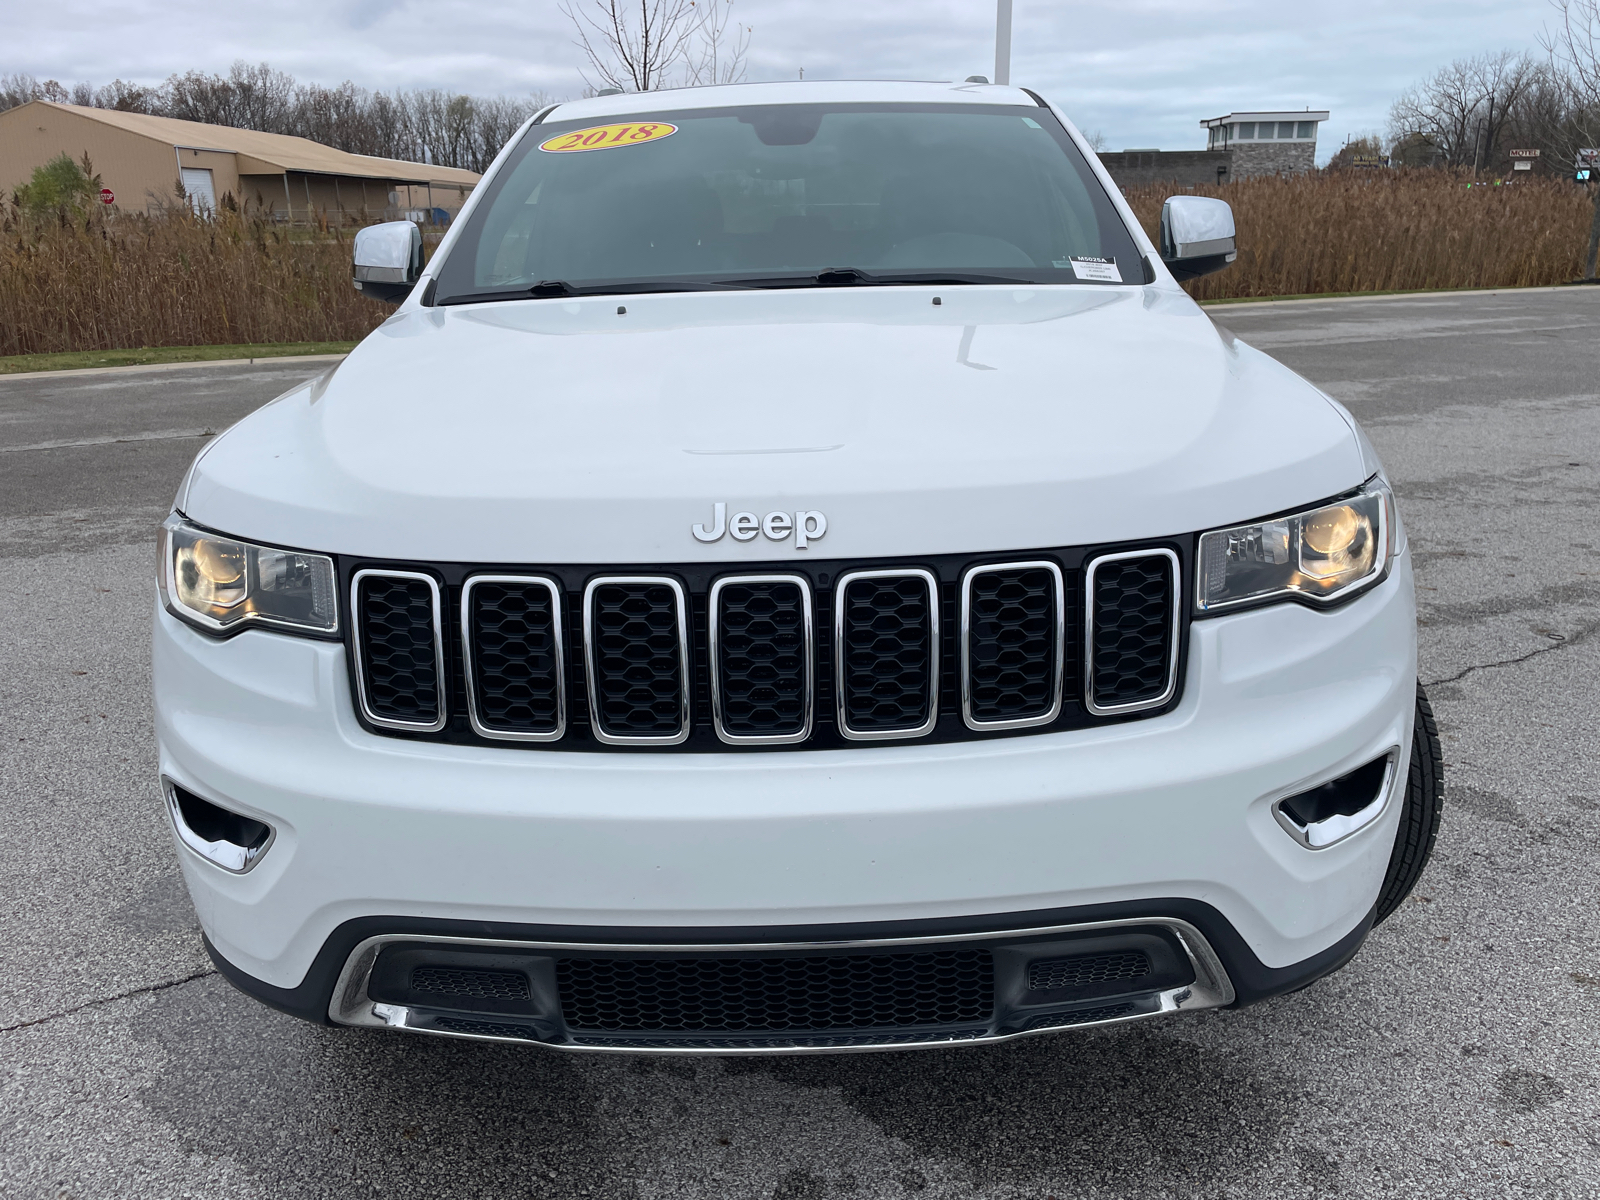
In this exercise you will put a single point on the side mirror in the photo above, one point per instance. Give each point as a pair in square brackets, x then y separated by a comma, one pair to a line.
[1196, 236]
[388, 260]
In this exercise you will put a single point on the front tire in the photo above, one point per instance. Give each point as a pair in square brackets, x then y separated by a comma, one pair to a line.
[1419, 820]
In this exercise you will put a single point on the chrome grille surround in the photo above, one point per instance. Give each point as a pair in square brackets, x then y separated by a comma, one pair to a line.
[1174, 590]
[359, 629]
[964, 650]
[841, 657]
[590, 648]
[808, 652]
[469, 649]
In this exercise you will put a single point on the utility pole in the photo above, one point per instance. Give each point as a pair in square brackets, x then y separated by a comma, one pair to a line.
[1002, 41]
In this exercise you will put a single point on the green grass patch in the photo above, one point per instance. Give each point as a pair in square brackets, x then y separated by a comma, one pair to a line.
[76, 360]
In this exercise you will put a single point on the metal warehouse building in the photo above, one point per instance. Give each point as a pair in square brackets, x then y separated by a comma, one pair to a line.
[142, 159]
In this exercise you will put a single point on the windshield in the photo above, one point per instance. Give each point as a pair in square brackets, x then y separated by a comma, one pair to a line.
[774, 195]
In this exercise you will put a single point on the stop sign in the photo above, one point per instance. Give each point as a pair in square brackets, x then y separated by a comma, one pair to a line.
[107, 196]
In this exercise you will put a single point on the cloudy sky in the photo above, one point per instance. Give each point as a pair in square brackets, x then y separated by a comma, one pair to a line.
[1142, 72]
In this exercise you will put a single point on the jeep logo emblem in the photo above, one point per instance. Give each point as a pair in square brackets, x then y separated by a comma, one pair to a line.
[806, 525]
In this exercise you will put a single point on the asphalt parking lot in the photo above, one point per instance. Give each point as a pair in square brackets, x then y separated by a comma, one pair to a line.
[1458, 1055]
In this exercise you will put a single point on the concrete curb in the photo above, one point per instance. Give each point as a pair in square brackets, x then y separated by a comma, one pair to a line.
[1513, 291]
[177, 366]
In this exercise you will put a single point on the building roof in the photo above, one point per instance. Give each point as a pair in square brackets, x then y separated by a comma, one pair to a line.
[1285, 115]
[270, 152]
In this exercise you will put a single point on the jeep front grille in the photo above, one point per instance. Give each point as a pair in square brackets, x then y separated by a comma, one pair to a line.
[762, 639]
[400, 659]
[887, 635]
[819, 655]
[636, 652]
[1132, 640]
[516, 687]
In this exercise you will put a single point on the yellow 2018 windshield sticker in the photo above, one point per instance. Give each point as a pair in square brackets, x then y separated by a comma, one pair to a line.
[608, 137]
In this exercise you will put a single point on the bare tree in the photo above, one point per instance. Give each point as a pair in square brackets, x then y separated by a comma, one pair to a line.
[718, 55]
[634, 51]
[645, 45]
[1460, 112]
[1574, 49]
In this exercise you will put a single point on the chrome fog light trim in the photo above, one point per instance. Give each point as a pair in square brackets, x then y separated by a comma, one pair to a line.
[1330, 831]
[233, 857]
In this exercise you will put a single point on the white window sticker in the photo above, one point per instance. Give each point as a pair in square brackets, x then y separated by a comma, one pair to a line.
[1099, 270]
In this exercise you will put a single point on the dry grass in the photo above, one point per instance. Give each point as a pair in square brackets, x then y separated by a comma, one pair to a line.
[1353, 231]
[103, 283]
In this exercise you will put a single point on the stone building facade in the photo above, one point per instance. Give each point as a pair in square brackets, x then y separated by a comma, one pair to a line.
[1267, 143]
[1134, 168]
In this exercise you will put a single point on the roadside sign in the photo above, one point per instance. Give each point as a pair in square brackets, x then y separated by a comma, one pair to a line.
[107, 196]
[1589, 157]
[1524, 154]
[1582, 176]
[1522, 164]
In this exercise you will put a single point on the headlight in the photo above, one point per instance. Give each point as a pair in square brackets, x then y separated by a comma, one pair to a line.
[1319, 554]
[219, 584]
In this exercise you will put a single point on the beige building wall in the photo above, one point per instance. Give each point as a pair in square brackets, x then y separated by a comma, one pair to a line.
[139, 170]
[140, 164]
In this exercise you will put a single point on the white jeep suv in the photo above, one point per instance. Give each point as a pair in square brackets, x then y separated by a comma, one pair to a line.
[795, 572]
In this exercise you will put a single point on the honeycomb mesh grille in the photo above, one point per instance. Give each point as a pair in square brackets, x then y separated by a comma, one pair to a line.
[637, 657]
[787, 1043]
[470, 983]
[498, 1029]
[1133, 615]
[399, 653]
[1085, 969]
[887, 656]
[1083, 1016]
[762, 667]
[774, 994]
[1011, 644]
[516, 676]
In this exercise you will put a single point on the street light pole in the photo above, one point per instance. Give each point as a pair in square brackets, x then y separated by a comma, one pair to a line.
[1002, 41]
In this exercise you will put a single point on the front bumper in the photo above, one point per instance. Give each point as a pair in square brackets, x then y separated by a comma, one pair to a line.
[1169, 811]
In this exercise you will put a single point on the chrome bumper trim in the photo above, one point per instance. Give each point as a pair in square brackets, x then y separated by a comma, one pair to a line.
[351, 1005]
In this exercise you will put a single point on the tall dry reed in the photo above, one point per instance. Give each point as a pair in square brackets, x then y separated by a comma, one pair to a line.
[100, 282]
[1360, 231]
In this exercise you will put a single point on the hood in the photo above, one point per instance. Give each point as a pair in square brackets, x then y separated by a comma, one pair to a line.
[572, 431]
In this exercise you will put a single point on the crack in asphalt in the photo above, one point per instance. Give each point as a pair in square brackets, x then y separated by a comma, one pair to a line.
[1581, 636]
[142, 991]
[165, 435]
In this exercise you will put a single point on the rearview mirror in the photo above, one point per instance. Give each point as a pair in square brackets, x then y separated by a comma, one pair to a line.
[388, 260]
[1196, 236]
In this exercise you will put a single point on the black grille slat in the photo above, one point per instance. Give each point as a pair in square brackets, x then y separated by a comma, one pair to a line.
[763, 657]
[1084, 969]
[516, 663]
[399, 648]
[887, 652]
[1131, 641]
[1012, 643]
[636, 655]
[472, 983]
[776, 993]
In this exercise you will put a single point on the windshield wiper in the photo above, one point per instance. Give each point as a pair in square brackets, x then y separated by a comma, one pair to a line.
[554, 289]
[856, 277]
